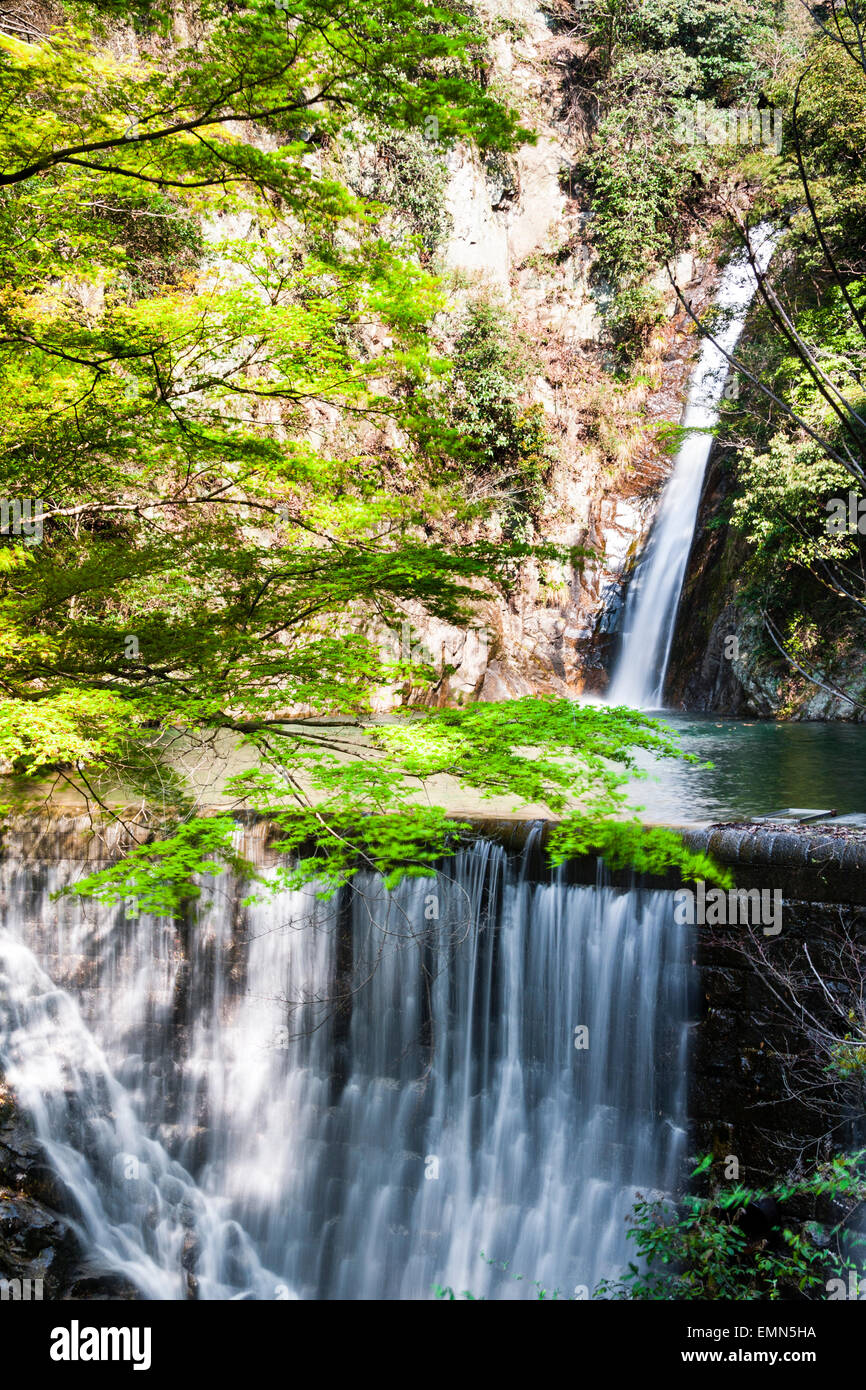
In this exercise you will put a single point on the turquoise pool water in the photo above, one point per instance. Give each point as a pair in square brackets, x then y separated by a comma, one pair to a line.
[759, 767]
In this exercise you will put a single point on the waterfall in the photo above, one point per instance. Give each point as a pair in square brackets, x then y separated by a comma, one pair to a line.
[464, 1082]
[654, 592]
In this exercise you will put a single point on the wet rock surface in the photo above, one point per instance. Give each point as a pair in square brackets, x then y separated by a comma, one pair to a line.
[722, 660]
[40, 1254]
[35, 1244]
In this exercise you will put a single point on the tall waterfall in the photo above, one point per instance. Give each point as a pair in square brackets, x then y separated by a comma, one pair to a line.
[654, 592]
[459, 1083]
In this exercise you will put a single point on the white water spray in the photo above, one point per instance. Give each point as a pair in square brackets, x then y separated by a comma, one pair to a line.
[355, 1099]
[654, 592]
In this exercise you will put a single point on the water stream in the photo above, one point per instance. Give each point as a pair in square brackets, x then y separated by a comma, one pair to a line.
[354, 1099]
[654, 592]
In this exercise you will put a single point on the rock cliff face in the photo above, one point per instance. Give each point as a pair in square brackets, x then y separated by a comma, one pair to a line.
[519, 231]
[722, 659]
[523, 232]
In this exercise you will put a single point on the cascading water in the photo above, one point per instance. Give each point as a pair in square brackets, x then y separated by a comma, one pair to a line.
[136, 1210]
[654, 592]
[354, 1099]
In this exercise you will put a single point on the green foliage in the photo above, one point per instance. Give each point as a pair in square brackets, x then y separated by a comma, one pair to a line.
[639, 175]
[75, 726]
[645, 179]
[302, 67]
[699, 1249]
[241, 480]
[410, 175]
[506, 441]
[781, 507]
[629, 844]
[163, 876]
[847, 1061]
[634, 311]
[825, 95]
[637, 139]
[796, 465]
[789, 492]
[730, 41]
[340, 805]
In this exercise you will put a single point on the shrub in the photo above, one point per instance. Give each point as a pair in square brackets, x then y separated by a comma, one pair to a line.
[506, 439]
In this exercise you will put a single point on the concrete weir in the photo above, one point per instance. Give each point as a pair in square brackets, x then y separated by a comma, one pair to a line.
[758, 1000]
[808, 863]
[812, 863]
[595, 1037]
